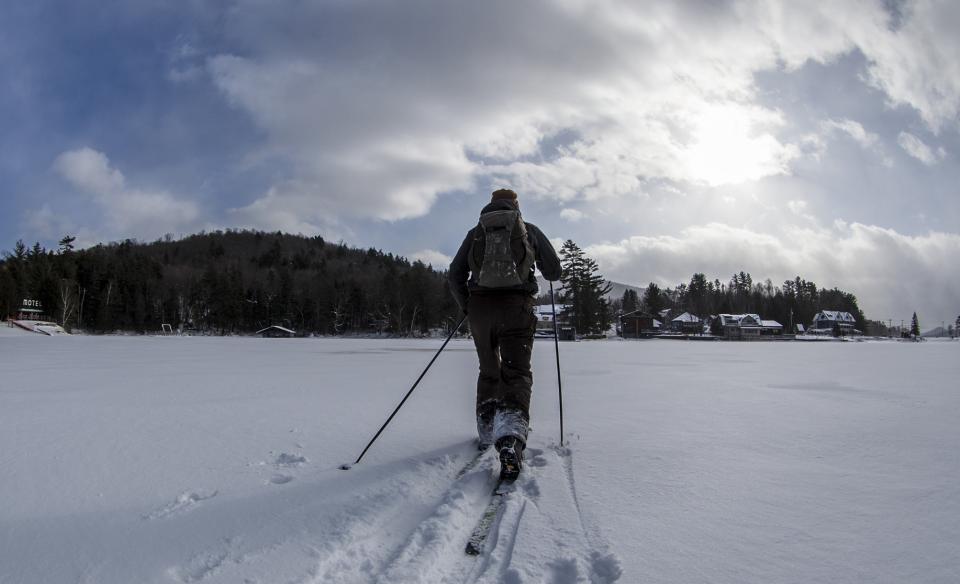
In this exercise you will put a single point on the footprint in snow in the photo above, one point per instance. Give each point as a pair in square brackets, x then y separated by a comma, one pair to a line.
[531, 488]
[206, 563]
[290, 460]
[183, 502]
[280, 479]
[605, 567]
[564, 571]
[537, 460]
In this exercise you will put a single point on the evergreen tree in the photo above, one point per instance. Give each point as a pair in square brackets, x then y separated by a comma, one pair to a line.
[630, 301]
[584, 290]
[915, 326]
[698, 295]
[66, 244]
[653, 299]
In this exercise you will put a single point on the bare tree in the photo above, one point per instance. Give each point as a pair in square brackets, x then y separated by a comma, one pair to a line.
[339, 316]
[413, 319]
[67, 301]
[82, 294]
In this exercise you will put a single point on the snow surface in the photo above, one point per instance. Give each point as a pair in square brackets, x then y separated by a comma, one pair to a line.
[175, 459]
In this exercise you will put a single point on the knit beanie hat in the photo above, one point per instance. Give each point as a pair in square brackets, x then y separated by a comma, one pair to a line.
[501, 194]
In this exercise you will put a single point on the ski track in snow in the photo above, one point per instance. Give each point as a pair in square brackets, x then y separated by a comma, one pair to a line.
[413, 526]
[544, 501]
[377, 530]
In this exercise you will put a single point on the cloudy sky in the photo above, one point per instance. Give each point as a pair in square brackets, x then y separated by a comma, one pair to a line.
[817, 139]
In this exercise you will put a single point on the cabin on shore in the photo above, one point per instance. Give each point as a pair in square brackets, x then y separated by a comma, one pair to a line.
[687, 323]
[276, 332]
[638, 324]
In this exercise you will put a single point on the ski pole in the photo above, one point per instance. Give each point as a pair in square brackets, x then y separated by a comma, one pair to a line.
[415, 383]
[556, 345]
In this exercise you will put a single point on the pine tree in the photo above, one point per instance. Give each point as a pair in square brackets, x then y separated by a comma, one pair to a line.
[915, 326]
[653, 298]
[584, 290]
[698, 294]
[630, 301]
[571, 260]
[66, 244]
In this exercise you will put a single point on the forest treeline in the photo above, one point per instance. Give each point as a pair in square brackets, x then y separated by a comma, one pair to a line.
[793, 302]
[233, 281]
[240, 281]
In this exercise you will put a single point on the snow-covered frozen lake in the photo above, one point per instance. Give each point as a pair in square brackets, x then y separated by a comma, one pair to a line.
[149, 459]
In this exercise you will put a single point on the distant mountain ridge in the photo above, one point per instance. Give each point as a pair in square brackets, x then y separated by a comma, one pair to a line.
[936, 332]
[616, 291]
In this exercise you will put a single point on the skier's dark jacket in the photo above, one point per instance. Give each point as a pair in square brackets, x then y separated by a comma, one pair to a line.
[547, 262]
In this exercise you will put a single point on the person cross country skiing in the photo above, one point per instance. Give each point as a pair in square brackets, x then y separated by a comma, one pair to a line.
[492, 279]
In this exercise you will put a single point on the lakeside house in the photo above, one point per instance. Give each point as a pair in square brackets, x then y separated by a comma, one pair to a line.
[747, 326]
[544, 314]
[771, 327]
[687, 323]
[740, 326]
[638, 324]
[828, 322]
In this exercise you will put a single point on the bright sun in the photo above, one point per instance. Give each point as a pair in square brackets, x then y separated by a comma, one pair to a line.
[730, 145]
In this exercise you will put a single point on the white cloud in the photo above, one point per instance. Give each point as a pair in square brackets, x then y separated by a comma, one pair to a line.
[130, 211]
[89, 170]
[916, 63]
[815, 144]
[799, 208]
[44, 222]
[432, 257]
[892, 274]
[572, 215]
[352, 159]
[562, 101]
[855, 130]
[916, 148]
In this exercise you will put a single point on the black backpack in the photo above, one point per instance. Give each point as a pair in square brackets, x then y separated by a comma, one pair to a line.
[501, 255]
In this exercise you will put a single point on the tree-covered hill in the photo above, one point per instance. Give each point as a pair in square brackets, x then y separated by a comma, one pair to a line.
[228, 282]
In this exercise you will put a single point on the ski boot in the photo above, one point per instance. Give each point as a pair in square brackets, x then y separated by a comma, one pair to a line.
[485, 416]
[511, 458]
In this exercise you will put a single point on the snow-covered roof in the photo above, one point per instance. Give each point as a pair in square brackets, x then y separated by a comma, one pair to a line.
[740, 319]
[770, 324]
[547, 309]
[687, 317]
[657, 323]
[835, 315]
[277, 327]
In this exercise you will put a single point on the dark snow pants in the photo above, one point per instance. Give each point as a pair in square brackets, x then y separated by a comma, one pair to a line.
[503, 327]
